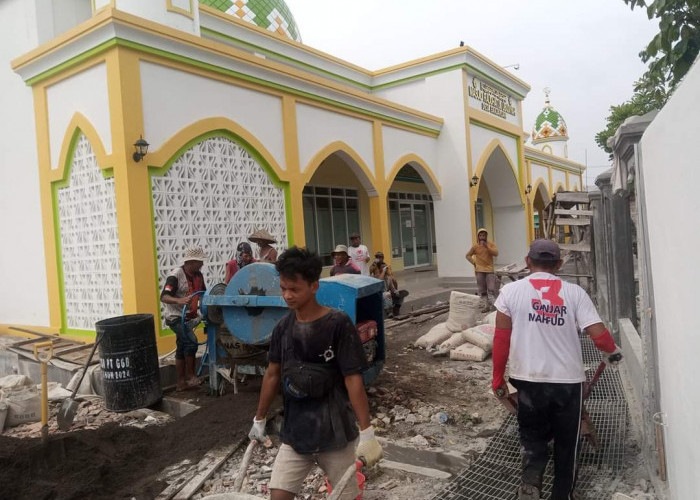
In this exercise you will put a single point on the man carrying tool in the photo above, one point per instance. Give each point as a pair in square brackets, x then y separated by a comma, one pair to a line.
[179, 287]
[537, 330]
[317, 359]
[481, 256]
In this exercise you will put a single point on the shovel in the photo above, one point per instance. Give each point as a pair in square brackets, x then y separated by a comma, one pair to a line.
[69, 407]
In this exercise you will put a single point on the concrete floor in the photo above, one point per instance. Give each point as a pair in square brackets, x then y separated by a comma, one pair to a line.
[426, 288]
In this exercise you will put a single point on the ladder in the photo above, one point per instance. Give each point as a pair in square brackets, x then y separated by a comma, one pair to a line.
[568, 221]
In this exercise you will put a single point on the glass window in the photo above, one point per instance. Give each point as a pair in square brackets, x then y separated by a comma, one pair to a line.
[330, 215]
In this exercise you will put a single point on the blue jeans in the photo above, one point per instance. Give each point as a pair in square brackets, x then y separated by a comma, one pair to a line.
[185, 340]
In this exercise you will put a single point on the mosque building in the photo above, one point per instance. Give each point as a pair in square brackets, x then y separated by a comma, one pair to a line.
[247, 128]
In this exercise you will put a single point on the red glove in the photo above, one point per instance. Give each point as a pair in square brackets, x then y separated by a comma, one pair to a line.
[501, 349]
[605, 342]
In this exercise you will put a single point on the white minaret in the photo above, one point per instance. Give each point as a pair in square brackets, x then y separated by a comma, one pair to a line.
[550, 133]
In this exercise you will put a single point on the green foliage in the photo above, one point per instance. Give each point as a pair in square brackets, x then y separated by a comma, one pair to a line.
[674, 48]
[669, 55]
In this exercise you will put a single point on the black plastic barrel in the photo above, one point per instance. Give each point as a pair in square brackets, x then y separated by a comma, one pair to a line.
[129, 362]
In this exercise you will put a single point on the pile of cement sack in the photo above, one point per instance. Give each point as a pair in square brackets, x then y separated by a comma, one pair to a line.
[460, 336]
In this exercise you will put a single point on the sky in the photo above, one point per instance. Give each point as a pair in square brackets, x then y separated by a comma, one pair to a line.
[586, 52]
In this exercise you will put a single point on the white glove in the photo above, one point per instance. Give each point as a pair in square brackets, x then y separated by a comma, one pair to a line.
[257, 432]
[369, 448]
[613, 358]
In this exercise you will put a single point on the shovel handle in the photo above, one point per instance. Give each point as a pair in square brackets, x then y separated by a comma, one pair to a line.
[85, 367]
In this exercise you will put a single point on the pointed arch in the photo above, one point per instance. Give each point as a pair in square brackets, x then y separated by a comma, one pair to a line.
[540, 183]
[484, 158]
[172, 148]
[423, 170]
[559, 187]
[79, 125]
[353, 160]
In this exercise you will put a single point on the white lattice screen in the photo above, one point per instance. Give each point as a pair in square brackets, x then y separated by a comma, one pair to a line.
[92, 280]
[214, 196]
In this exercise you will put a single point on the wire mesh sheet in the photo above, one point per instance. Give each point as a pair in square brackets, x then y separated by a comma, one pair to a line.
[496, 473]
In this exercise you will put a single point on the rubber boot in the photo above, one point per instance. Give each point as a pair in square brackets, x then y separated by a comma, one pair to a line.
[191, 373]
[180, 369]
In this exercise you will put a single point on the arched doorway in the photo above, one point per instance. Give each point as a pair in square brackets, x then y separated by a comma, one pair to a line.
[336, 204]
[539, 203]
[411, 219]
[499, 208]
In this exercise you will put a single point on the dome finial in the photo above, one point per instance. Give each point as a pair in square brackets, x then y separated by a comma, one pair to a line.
[547, 90]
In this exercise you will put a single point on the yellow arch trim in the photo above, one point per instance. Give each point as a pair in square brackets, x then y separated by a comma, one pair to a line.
[173, 144]
[540, 182]
[484, 158]
[425, 172]
[79, 124]
[365, 176]
[556, 188]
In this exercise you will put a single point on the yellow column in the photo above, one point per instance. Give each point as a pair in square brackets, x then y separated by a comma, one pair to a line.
[296, 181]
[131, 185]
[378, 206]
[53, 284]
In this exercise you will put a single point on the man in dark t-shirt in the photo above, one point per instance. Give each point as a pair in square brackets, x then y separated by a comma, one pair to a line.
[320, 425]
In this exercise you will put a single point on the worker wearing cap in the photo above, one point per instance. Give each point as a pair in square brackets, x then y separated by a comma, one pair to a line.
[177, 293]
[481, 256]
[537, 326]
[359, 254]
[381, 270]
[264, 240]
[342, 264]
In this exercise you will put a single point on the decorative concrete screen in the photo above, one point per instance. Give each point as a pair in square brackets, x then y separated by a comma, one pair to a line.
[215, 195]
[92, 282]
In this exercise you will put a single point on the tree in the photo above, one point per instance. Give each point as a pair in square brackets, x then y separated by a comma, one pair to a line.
[674, 48]
[648, 96]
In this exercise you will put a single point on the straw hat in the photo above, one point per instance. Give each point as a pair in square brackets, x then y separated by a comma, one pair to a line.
[262, 236]
[340, 249]
[194, 253]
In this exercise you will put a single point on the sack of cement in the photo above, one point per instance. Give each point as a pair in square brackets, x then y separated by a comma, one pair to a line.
[456, 340]
[23, 406]
[490, 318]
[480, 336]
[468, 352]
[13, 382]
[463, 310]
[437, 335]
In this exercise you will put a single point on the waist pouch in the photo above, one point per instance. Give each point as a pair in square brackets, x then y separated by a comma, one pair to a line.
[303, 380]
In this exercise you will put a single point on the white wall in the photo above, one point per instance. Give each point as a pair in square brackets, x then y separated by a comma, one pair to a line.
[670, 178]
[398, 143]
[438, 95]
[22, 266]
[156, 10]
[481, 137]
[54, 17]
[173, 100]
[537, 171]
[85, 92]
[316, 128]
[558, 177]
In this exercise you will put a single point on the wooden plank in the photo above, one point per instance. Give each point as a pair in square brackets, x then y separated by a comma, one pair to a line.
[207, 466]
[21, 343]
[71, 349]
[572, 197]
[563, 211]
[39, 334]
[575, 247]
[563, 221]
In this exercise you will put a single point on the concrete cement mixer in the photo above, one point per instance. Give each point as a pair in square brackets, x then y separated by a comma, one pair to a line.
[242, 315]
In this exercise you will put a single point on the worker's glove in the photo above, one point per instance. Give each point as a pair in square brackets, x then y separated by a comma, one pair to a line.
[613, 358]
[257, 432]
[369, 449]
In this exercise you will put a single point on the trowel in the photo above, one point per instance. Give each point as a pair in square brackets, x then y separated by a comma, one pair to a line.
[69, 407]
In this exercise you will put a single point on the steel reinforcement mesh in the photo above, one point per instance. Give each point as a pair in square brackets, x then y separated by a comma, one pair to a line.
[496, 473]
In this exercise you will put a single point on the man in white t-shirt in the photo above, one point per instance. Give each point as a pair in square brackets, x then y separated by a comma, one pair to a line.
[537, 327]
[359, 255]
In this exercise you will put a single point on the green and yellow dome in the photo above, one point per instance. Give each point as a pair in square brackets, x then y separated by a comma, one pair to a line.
[272, 15]
[549, 125]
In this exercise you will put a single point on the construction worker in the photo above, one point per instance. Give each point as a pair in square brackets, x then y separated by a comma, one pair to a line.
[481, 256]
[537, 331]
[381, 270]
[317, 359]
[180, 284]
[342, 263]
[359, 254]
[264, 240]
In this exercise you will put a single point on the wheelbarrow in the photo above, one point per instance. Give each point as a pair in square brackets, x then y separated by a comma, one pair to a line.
[588, 430]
